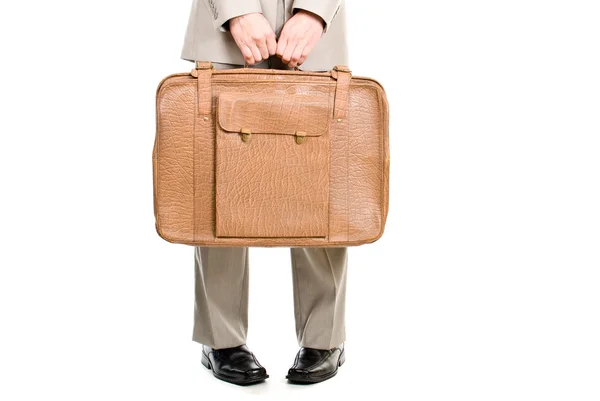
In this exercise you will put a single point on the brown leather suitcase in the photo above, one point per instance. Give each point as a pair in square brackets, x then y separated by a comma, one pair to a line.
[265, 157]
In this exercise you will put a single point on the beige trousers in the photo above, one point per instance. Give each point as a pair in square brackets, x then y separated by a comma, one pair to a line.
[221, 289]
[221, 303]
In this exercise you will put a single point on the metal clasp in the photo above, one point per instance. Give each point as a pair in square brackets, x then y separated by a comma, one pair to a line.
[300, 137]
[203, 65]
[246, 134]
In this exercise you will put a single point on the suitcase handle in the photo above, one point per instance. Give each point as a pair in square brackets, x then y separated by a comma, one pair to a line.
[246, 66]
[207, 65]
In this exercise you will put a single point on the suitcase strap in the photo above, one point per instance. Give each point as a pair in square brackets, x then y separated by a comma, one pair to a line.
[204, 73]
[340, 142]
[343, 76]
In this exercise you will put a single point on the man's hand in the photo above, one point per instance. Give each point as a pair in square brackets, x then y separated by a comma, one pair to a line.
[298, 37]
[254, 36]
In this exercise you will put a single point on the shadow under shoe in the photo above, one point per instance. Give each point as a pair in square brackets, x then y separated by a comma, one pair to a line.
[235, 365]
[316, 365]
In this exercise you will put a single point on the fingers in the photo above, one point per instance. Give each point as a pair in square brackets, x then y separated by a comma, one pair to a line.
[272, 44]
[238, 36]
[286, 46]
[257, 42]
[255, 53]
[294, 53]
[307, 49]
[281, 45]
[247, 53]
[297, 54]
[263, 50]
[287, 55]
[253, 36]
[264, 43]
[298, 37]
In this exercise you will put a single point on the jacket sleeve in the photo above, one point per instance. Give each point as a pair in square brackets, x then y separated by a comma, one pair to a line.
[224, 10]
[326, 9]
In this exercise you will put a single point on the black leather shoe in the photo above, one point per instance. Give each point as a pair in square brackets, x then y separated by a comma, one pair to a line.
[234, 365]
[315, 365]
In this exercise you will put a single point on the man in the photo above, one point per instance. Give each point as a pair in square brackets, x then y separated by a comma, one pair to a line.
[308, 34]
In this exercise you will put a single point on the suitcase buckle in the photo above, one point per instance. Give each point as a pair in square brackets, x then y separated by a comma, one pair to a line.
[246, 134]
[203, 65]
[300, 137]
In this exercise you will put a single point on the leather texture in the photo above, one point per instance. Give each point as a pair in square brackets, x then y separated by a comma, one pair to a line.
[274, 114]
[235, 365]
[315, 365]
[265, 157]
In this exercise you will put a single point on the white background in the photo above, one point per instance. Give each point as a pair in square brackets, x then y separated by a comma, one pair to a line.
[485, 285]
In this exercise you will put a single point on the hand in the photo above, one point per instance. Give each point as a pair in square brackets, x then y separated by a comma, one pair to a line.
[298, 37]
[254, 36]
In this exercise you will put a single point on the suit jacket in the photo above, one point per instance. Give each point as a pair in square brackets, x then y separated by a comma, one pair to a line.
[207, 37]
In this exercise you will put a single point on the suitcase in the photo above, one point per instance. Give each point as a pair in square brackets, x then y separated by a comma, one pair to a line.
[265, 157]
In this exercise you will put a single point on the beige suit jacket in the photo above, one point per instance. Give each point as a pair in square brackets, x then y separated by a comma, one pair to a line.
[206, 38]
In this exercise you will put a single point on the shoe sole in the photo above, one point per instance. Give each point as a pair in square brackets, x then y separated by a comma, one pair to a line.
[206, 362]
[319, 379]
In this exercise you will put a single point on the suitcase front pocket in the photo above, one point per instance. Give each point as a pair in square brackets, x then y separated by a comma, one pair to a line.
[272, 165]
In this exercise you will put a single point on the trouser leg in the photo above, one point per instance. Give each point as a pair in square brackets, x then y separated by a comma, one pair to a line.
[221, 296]
[319, 278]
[221, 291]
